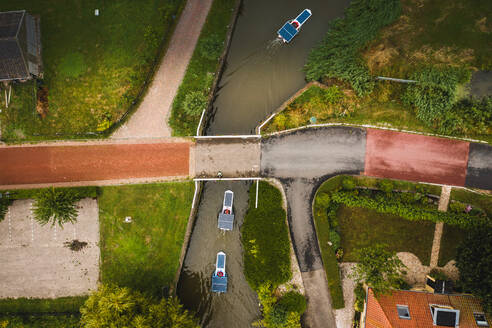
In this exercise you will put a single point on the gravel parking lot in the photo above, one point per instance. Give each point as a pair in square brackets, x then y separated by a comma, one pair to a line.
[34, 260]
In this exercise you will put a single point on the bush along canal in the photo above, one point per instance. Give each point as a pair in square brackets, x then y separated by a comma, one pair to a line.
[267, 260]
[238, 307]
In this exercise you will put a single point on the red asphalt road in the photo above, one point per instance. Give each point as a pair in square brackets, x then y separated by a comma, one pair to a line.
[414, 157]
[51, 164]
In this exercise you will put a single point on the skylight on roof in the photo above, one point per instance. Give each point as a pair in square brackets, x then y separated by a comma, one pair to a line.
[403, 311]
[480, 319]
[445, 315]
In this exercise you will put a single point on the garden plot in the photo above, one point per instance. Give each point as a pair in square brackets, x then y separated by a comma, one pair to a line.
[35, 260]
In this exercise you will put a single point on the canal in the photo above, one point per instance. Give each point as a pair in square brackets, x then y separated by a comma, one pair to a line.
[261, 73]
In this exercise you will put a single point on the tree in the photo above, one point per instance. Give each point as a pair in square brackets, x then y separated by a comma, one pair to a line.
[115, 307]
[194, 103]
[378, 268]
[55, 206]
[474, 260]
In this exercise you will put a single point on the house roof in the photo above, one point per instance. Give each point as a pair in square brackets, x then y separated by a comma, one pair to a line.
[10, 22]
[382, 312]
[20, 45]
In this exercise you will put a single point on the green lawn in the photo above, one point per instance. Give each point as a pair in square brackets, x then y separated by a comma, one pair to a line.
[94, 67]
[144, 254]
[361, 227]
[451, 238]
[203, 66]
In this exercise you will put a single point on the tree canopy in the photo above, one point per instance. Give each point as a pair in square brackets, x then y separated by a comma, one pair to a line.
[379, 268]
[55, 206]
[474, 260]
[115, 307]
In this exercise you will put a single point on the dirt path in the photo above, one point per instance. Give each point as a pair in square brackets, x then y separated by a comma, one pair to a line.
[436, 243]
[150, 119]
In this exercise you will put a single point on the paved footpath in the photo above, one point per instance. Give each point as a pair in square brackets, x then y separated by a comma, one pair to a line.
[93, 163]
[150, 119]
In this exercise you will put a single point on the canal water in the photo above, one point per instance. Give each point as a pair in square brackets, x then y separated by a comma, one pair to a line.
[261, 73]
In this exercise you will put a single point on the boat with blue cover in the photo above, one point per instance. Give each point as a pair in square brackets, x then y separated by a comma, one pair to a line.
[292, 27]
[226, 216]
[219, 278]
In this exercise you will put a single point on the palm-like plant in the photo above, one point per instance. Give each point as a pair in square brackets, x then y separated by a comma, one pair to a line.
[55, 206]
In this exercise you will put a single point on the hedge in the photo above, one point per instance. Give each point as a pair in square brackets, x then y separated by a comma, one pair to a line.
[41, 305]
[410, 212]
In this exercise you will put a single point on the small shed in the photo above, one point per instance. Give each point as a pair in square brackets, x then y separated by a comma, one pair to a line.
[20, 46]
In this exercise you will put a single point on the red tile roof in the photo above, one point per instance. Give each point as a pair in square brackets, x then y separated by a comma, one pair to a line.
[381, 309]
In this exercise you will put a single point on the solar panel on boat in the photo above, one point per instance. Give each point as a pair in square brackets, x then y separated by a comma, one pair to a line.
[220, 261]
[287, 32]
[226, 221]
[228, 199]
[303, 16]
[219, 284]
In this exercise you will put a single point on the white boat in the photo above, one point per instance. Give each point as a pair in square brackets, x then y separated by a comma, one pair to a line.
[292, 27]
[226, 216]
[219, 278]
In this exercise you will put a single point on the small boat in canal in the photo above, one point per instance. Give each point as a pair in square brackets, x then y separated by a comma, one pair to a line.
[226, 216]
[219, 278]
[292, 27]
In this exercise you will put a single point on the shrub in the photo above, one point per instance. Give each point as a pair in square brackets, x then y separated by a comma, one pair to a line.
[292, 302]
[435, 92]
[474, 261]
[360, 297]
[323, 199]
[386, 186]
[335, 239]
[4, 207]
[457, 207]
[55, 206]
[338, 55]
[438, 274]
[195, 102]
[378, 268]
[468, 116]
[349, 183]
[211, 46]
[121, 307]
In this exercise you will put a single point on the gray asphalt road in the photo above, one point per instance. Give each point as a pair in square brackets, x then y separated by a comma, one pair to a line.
[479, 171]
[314, 153]
[302, 160]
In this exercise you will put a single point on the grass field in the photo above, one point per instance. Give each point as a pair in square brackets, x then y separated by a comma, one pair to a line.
[451, 238]
[434, 32]
[143, 254]
[361, 227]
[94, 66]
